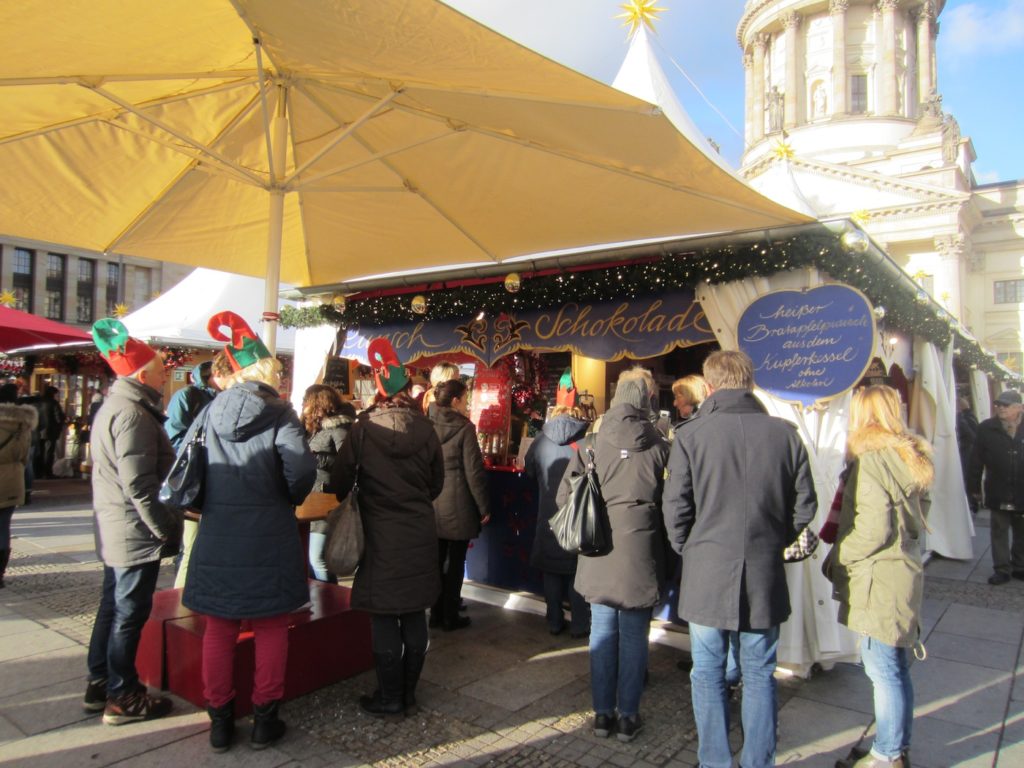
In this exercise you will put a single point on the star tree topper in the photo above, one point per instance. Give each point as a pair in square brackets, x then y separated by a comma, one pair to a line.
[639, 12]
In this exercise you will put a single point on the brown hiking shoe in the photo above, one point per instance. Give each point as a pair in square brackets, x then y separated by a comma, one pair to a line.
[136, 706]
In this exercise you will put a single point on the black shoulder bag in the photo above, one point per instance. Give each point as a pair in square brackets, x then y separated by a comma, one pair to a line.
[184, 485]
[581, 524]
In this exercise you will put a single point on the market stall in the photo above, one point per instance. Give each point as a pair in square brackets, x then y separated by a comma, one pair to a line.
[649, 303]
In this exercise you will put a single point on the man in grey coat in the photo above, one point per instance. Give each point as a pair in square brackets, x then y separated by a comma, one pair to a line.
[739, 489]
[131, 457]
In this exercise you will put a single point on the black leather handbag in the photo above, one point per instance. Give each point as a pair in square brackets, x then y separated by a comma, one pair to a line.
[581, 524]
[183, 487]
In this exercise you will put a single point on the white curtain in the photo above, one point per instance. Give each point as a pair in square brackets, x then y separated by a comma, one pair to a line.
[312, 345]
[934, 416]
[812, 634]
[979, 395]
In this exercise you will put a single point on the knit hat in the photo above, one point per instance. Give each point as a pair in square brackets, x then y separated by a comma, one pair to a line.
[388, 373]
[1009, 397]
[632, 392]
[123, 354]
[244, 347]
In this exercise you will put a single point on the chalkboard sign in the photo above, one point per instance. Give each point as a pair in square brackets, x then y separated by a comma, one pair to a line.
[336, 374]
[808, 346]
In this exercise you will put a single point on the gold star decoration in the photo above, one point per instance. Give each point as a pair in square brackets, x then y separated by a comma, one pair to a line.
[8, 299]
[155, 294]
[639, 12]
[120, 310]
[920, 275]
[860, 216]
[783, 150]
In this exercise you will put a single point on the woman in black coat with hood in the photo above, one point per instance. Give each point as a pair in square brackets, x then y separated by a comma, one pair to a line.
[395, 457]
[546, 460]
[623, 585]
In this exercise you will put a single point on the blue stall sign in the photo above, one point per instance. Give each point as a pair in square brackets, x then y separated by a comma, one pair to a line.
[809, 346]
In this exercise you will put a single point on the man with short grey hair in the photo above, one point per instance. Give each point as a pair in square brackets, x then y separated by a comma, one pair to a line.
[999, 454]
[739, 490]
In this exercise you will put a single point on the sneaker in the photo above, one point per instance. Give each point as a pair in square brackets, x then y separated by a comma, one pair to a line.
[604, 725]
[629, 727]
[998, 578]
[95, 699]
[134, 707]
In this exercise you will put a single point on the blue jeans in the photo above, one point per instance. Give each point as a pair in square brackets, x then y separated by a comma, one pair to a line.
[317, 564]
[124, 609]
[558, 586]
[710, 650]
[618, 658]
[888, 667]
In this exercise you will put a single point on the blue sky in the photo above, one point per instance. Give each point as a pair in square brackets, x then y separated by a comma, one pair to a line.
[980, 56]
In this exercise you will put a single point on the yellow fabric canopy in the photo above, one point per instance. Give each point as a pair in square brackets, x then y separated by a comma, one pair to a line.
[409, 136]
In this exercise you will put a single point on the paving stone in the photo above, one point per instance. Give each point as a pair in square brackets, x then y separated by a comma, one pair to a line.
[33, 643]
[960, 693]
[973, 650]
[32, 672]
[942, 744]
[812, 733]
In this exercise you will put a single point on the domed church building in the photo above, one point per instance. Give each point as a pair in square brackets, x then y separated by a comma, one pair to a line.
[844, 118]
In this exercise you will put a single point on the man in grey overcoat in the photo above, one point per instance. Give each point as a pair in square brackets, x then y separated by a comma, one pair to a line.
[131, 456]
[739, 490]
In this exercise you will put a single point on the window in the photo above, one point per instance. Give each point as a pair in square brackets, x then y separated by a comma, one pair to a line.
[86, 290]
[55, 264]
[113, 284]
[1009, 291]
[142, 289]
[859, 94]
[23, 278]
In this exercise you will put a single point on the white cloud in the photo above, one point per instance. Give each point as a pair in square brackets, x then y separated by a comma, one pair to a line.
[982, 28]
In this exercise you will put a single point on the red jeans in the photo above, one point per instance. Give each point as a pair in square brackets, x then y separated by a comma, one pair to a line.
[219, 640]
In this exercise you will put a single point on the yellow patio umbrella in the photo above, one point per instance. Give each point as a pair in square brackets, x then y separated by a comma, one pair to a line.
[317, 142]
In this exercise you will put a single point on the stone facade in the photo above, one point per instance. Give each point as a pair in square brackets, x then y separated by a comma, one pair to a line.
[862, 113]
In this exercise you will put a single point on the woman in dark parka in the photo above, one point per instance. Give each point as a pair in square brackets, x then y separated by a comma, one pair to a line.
[400, 472]
[546, 460]
[247, 561]
[623, 585]
[462, 506]
[327, 419]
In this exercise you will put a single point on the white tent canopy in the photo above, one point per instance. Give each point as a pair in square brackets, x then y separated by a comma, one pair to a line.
[180, 315]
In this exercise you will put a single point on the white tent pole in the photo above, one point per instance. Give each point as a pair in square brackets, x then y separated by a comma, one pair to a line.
[275, 228]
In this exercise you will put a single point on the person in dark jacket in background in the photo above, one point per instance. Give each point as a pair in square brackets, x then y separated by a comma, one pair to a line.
[999, 455]
[327, 419]
[187, 402]
[546, 460]
[463, 505]
[739, 491]
[50, 428]
[247, 561]
[134, 529]
[17, 423]
[966, 433]
[394, 450]
[623, 585]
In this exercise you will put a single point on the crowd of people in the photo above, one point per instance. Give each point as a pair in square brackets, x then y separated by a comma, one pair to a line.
[725, 490]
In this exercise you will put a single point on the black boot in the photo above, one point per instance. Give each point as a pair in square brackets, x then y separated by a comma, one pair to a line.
[386, 701]
[222, 726]
[267, 727]
[412, 665]
[5, 556]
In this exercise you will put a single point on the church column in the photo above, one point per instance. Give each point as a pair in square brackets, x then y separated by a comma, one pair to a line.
[748, 101]
[888, 102]
[792, 113]
[839, 85]
[951, 250]
[760, 44]
[925, 51]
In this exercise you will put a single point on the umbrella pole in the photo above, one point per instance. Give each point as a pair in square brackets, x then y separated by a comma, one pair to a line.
[275, 229]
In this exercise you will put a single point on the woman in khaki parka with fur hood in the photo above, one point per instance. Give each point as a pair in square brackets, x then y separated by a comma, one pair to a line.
[877, 573]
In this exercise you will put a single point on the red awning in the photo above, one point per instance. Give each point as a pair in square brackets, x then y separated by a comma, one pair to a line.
[20, 329]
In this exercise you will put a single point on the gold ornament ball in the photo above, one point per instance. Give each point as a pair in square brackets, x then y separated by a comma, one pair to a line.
[854, 240]
[513, 282]
[338, 302]
[419, 304]
[879, 313]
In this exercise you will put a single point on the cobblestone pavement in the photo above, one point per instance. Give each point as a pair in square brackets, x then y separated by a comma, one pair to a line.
[504, 692]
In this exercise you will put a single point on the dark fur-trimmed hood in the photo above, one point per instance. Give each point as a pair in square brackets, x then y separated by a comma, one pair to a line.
[915, 451]
[24, 415]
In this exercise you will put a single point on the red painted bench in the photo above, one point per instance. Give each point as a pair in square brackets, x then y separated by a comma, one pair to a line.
[327, 643]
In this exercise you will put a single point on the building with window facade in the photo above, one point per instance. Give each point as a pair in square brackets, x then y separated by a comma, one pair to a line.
[78, 288]
[844, 118]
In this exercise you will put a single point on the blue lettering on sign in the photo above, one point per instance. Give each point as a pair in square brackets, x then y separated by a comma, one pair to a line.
[808, 346]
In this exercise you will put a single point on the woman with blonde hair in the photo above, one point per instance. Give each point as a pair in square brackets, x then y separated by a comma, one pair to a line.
[689, 392]
[877, 573]
[439, 374]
